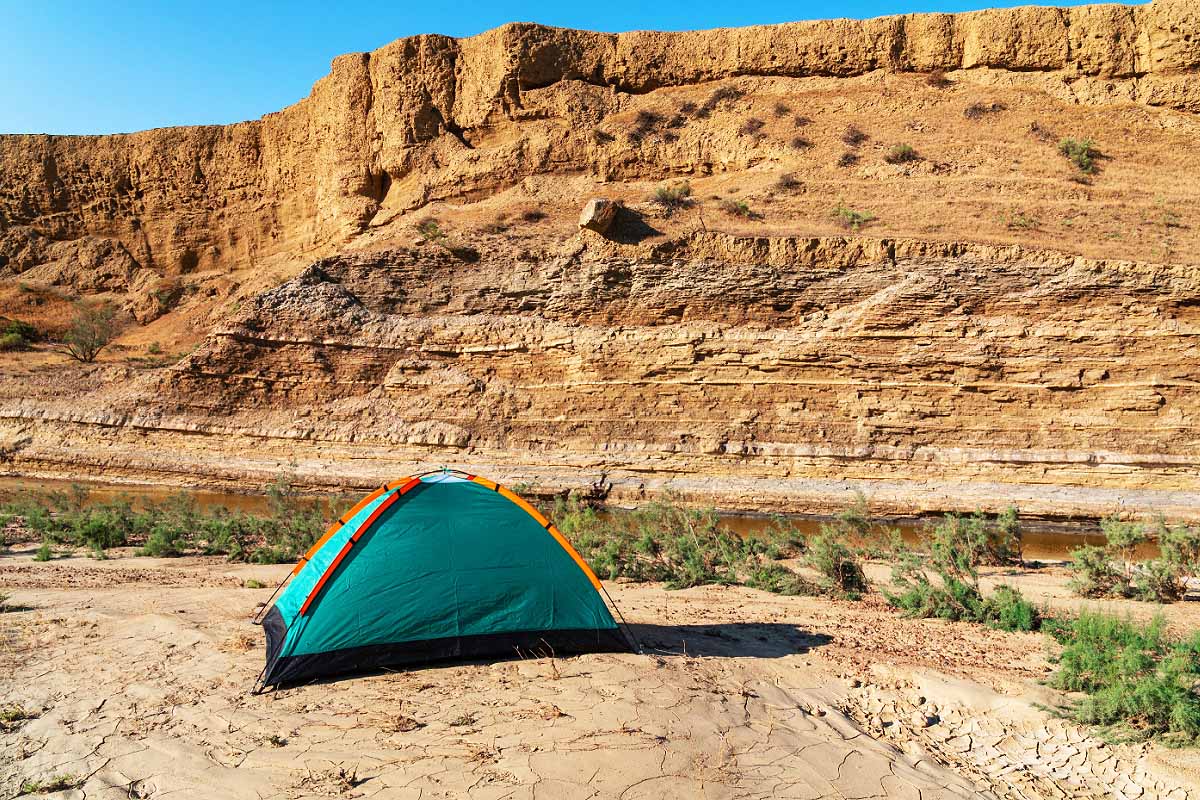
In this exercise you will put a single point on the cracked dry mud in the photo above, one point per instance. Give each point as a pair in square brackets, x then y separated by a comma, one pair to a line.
[139, 670]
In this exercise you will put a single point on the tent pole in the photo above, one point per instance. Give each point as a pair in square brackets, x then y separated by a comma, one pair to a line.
[637, 646]
[258, 615]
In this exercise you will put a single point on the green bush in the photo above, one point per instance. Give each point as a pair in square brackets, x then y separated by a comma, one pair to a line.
[901, 154]
[1113, 571]
[840, 570]
[1008, 610]
[849, 218]
[176, 525]
[681, 547]
[20, 328]
[1093, 572]
[1139, 682]
[11, 341]
[44, 553]
[737, 208]
[957, 548]
[1080, 152]
[673, 197]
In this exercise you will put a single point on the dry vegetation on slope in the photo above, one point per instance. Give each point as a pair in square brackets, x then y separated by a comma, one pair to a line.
[885, 268]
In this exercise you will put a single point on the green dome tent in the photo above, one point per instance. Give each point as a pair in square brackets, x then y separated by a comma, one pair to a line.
[445, 565]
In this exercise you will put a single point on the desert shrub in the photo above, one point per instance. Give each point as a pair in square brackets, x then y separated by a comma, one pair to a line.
[681, 547]
[92, 328]
[958, 546]
[853, 136]
[1008, 610]
[787, 182]
[1021, 221]
[11, 341]
[977, 111]
[778, 579]
[55, 783]
[670, 198]
[430, 231]
[533, 215]
[799, 121]
[1093, 572]
[176, 525]
[1139, 681]
[602, 137]
[937, 79]
[44, 553]
[751, 127]
[832, 558]
[847, 159]
[736, 208]
[849, 218]
[646, 120]
[781, 109]
[1080, 152]
[1113, 571]
[20, 328]
[799, 143]
[688, 108]
[901, 154]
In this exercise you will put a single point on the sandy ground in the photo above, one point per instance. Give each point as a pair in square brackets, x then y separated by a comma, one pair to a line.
[139, 673]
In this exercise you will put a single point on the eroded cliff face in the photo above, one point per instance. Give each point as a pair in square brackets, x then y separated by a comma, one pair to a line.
[1006, 330]
[183, 200]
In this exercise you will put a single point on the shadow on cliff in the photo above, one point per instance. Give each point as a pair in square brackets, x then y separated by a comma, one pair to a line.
[630, 227]
[752, 639]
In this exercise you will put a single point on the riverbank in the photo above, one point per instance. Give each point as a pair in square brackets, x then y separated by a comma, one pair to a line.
[739, 692]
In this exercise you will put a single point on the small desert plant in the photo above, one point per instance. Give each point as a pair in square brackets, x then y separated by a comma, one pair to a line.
[847, 159]
[688, 108]
[1080, 152]
[799, 143]
[533, 215]
[853, 136]
[800, 121]
[849, 218]
[430, 231]
[787, 182]
[44, 553]
[251, 583]
[901, 154]
[11, 717]
[93, 327]
[1021, 221]
[751, 127]
[782, 109]
[837, 564]
[600, 136]
[736, 208]
[11, 341]
[937, 79]
[977, 111]
[673, 197]
[56, 783]
[154, 349]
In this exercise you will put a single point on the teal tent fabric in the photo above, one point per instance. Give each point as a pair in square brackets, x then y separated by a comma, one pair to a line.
[449, 568]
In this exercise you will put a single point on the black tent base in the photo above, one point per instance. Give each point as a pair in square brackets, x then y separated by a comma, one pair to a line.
[374, 658]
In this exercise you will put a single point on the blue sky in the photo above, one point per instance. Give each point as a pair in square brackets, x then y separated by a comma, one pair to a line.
[105, 67]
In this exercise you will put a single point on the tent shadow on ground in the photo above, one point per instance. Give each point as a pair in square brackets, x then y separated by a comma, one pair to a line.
[750, 639]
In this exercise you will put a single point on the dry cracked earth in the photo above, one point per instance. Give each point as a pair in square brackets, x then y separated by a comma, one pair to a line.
[137, 674]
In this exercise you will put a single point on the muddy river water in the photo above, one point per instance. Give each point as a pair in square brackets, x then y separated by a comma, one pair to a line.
[1040, 540]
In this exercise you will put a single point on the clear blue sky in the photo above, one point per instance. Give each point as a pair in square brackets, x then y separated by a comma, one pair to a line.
[124, 65]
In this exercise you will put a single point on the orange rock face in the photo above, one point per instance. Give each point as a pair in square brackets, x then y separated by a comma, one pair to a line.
[980, 324]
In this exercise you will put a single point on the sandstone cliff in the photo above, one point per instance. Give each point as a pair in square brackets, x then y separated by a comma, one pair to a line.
[1003, 329]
